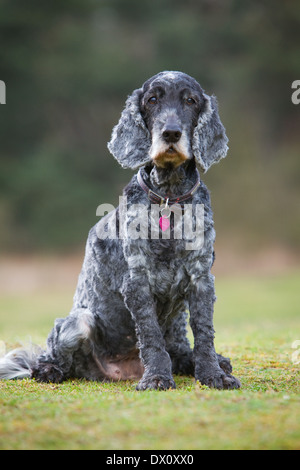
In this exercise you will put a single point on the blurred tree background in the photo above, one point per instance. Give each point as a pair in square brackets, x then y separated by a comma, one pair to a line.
[68, 68]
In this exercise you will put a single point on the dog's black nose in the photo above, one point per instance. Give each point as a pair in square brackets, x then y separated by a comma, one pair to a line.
[172, 134]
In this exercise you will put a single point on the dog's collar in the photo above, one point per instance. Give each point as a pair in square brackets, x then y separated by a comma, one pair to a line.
[159, 199]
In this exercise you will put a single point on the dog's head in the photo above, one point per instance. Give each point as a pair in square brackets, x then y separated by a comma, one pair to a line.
[168, 121]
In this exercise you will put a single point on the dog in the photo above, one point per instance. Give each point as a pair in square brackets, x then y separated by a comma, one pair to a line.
[141, 280]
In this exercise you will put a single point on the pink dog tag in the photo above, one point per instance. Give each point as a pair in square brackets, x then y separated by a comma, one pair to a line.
[164, 223]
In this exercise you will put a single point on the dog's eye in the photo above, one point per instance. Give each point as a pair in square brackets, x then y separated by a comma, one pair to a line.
[190, 101]
[152, 100]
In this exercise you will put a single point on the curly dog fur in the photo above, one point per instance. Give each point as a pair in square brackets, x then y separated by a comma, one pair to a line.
[129, 316]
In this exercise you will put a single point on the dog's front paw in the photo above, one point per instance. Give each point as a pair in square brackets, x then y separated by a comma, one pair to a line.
[47, 373]
[216, 378]
[224, 363]
[230, 382]
[155, 382]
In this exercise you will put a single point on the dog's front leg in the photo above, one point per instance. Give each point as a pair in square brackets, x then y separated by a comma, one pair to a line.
[207, 368]
[156, 360]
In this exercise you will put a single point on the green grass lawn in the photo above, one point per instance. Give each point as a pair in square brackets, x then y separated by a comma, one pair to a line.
[256, 322]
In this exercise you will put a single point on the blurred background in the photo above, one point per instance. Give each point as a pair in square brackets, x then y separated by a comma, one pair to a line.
[68, 67]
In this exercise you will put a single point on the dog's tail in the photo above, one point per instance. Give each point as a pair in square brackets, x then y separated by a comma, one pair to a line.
[18, 363]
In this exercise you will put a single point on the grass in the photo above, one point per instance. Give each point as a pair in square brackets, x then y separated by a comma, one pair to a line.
[256, 322]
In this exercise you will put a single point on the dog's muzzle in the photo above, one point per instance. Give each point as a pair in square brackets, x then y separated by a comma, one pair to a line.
[170, 144]
[172, 133]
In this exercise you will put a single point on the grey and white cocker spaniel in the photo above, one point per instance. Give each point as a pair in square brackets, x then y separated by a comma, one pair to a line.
[143, 274]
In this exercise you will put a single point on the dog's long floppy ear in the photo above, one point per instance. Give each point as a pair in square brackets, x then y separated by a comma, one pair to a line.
[131, 141]
[209, 140]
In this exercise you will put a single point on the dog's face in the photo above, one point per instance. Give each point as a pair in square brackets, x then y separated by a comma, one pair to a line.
[170, 106]
[167, 121]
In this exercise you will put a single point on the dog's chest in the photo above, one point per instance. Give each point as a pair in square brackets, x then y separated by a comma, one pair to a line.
[167, 275]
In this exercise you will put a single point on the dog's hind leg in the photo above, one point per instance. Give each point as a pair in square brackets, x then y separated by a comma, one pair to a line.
[67, 336]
